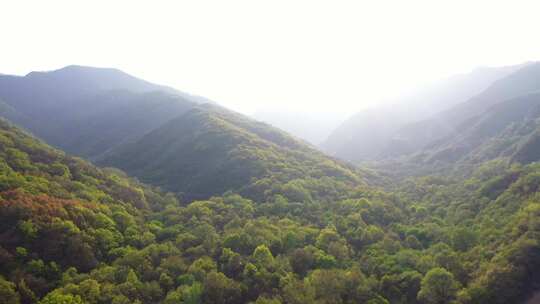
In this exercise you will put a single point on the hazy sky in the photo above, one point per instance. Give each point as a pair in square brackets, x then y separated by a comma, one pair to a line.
[250, 55]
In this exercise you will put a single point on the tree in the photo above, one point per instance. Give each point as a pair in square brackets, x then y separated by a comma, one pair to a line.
[301, 261]
[201, 267]
[27, 295]
[166, 281]
[56, 297]
[329, 285]
[438, 287]
[191, 294]
[28, 228]
[463, 239]
[401, 288]
[221, 290]
[8, 294]
[231, 263]
[263, 257]
[130, 288]
[296, 292]
[264, 300]
[90, 290]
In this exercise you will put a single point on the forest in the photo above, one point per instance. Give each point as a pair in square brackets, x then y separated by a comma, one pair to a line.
[74, 233]
[214, 207]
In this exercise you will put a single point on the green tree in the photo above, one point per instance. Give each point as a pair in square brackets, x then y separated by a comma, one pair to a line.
[463, 239]
[90, 290]
[166, 281]
[219, 289]
[56, 297]
[438, 287]
[8, 294]
[28, 228]
[201, 267]
[301, 261]
[265, 300]
[263, 257]
[192, 294]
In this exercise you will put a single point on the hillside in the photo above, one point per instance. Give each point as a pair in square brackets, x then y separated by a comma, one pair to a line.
[61, 214]
[507, 129]
[255, 215]
[210, 150]
[367, 134]
[93, 108]
[415, 136]
[73, 233]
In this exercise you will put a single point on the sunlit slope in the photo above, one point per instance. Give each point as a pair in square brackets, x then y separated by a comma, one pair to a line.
[210, 150]
[57, 211]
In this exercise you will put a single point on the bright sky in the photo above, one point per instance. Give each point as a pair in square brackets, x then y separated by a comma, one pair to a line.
[252, 55]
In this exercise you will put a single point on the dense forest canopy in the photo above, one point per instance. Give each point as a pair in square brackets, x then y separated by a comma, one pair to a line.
[210, 150]
[235, 211]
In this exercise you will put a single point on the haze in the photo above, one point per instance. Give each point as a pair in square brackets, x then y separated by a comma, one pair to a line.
[316, 56]
[269, 152]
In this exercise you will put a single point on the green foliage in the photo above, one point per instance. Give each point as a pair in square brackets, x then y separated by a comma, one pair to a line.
[263, 257]
[210, 150]
[438, 287]
[58, 298]
[305, 230]
[221, 290]
[8, 292]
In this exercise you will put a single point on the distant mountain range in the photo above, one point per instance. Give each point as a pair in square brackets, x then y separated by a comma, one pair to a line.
[85, 110]
[419, 135]
[183, 143]
[403, 126]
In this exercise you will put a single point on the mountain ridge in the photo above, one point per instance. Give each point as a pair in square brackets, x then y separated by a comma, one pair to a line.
[277, 222]
[367, 135]
[254, 148]
[419, 134]
[83, 98]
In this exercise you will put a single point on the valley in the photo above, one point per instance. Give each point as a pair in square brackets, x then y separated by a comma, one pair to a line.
[117, 190]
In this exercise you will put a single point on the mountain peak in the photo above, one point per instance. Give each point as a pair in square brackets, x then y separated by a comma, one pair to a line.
[78, 69]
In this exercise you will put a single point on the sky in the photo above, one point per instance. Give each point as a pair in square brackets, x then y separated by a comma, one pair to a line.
[321, 56]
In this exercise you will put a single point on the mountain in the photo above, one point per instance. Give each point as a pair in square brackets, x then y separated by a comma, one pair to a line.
[58, 212]
[415, 136]
[380, 131]
[86, 110]
[118, 120]
[262, 217]
[74, 233]
[364, 135]
[508, 129]
[210, 150]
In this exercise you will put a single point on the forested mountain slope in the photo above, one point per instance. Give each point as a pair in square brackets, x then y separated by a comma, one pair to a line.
[258, 216]
[210, 150]
[87, 111]
[416, 136]
[508, 129]
[366, 135]
[60, 215]
[72, 233]
[493, 214]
